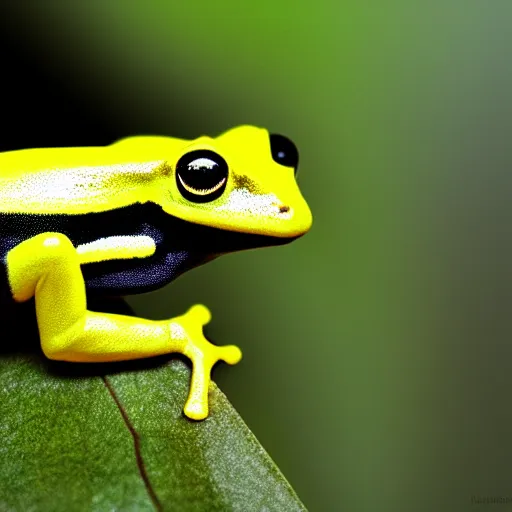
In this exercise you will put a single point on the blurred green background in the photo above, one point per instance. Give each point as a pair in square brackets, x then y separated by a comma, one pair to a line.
[377, 355]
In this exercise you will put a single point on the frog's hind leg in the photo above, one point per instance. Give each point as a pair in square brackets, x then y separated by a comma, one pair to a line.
[47, 266]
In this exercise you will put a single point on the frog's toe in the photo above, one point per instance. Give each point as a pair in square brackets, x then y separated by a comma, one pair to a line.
[196, 409]
[200, 314]
[231, 354]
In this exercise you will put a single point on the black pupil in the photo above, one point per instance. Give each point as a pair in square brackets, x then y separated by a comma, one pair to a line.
[201, 175]
[284, 151]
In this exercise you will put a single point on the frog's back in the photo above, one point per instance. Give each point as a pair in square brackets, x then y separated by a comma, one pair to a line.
[18, 163]
[82, 180]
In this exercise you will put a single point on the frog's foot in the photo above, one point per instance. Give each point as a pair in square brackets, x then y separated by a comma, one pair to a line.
[203, 355]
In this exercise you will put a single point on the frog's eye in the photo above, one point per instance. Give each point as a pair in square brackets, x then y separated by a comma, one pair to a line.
[201, 175]
[284, 151]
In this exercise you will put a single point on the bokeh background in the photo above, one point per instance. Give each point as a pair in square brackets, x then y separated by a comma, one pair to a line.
[377, 349]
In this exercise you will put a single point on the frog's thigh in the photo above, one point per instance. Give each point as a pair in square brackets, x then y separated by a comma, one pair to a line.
[48, 267]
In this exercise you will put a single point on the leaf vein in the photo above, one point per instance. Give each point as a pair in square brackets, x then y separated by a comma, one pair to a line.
[136, 445]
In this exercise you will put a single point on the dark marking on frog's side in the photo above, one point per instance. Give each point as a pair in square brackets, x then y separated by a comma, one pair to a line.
[180, 245]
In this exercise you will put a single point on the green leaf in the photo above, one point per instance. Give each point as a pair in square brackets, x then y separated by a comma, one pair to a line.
[93, 437]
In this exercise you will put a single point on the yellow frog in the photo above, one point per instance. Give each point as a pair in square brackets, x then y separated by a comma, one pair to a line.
[130, 218]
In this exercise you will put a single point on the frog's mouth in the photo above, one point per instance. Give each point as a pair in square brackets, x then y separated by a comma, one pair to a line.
[214, 241]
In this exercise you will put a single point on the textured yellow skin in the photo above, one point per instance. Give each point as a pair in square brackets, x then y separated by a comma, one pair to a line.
[135, 170]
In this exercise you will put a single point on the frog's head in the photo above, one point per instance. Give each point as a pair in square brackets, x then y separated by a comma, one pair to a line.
[242, 181]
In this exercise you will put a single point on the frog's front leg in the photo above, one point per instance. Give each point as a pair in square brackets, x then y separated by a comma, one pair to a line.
[47, 266]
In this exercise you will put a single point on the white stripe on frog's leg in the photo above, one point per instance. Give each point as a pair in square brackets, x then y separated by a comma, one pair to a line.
[116, 247]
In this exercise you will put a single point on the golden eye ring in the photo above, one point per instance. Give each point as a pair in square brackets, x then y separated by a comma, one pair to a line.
[202, 192]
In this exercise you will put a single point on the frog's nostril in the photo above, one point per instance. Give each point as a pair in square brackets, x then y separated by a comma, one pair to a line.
[284, 209]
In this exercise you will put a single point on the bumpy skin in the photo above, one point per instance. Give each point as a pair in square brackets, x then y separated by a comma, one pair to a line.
[124, 219]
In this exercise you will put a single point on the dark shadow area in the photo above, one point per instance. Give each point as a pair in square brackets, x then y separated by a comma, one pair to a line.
[41, 108]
